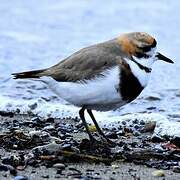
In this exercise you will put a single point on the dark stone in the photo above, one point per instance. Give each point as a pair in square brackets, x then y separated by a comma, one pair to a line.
[176, 169]
[4, 113]
[121, 133]
[176, 141]
[66, 147]
[45, 176]
[142, 122]
[157, 139]
[111, 135]
[136, 126]
[33, 106]
[59, 166]
[136, 133]
[135, 121]
[50, 120]
[124, 122]
[3, 167]
[151, 108]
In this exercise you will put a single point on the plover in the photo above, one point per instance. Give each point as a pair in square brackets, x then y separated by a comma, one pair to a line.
[103, 76]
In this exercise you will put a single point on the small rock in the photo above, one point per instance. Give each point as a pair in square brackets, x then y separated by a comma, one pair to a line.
[124, 122]
[121, 132]
[128, 130]
[136, 126]
[50, 120]
[151, 108]
[158, 173]
[59, 166]
[153, 98]
[33, 106]
[135, 121]
[3, 168]
[20, 178]
[176, 169]
[45, 176]
[4, 113]
[149, 126]
[136, 133]
[47, 149]
[66, 146]
[114, 166]
[156, 139]
[142, 122]
[176, 141]
[111, 135]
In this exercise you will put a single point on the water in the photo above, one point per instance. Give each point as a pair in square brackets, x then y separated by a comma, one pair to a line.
[37, 34]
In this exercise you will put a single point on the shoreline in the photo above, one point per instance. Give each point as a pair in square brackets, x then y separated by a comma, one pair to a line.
[66, 132]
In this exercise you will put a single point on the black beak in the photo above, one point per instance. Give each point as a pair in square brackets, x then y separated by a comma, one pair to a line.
[163, 58]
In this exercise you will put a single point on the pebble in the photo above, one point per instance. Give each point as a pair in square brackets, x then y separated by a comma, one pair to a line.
[33, 106]
[59, 166]
[3, 168]
[176, 141]
[136, 133]
[124, 122]
[111, 135]
[158, 173]
[135, 121]
[176, 169]
[4, 113]
[142, 122]
[50, 148]
[45, 176]
[121, 132]
[156, 139]
[50, 120]
[136, 126]
[114, 166]
[149, 126]
[153, 98]
[20, 178]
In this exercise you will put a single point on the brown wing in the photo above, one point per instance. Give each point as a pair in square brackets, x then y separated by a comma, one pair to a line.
[86, 63]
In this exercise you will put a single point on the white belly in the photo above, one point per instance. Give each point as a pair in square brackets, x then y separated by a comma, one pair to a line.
[95, 93]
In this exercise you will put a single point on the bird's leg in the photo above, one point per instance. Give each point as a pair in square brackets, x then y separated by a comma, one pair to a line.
[98, 128]
[81, 114]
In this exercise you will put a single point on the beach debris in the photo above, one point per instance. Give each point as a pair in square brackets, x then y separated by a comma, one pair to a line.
[158, 173]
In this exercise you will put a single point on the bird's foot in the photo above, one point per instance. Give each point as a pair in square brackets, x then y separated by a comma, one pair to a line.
[108, 142]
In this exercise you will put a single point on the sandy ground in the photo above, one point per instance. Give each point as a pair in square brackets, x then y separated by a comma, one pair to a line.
[123, 171]
[82, 170]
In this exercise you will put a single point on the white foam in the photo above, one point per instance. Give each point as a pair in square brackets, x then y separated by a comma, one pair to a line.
[108, 119]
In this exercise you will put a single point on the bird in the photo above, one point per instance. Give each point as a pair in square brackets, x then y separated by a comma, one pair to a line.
[103, 76]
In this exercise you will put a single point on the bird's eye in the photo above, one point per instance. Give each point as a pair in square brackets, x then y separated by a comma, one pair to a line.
[146, 48]
[142, 55]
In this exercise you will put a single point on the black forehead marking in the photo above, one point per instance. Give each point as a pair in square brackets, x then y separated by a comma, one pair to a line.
[154, 43]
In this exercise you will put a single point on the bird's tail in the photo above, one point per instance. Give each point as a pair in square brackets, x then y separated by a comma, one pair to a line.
[29, 74]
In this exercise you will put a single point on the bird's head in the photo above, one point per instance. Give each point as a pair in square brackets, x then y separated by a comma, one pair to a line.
[141, 47]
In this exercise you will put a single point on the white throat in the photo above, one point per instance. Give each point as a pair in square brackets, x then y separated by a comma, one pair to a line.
[140, 73]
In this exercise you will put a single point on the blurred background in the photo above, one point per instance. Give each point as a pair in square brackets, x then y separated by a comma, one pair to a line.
[37, 34]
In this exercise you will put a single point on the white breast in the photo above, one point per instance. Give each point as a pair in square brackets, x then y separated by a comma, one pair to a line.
[102, 90]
